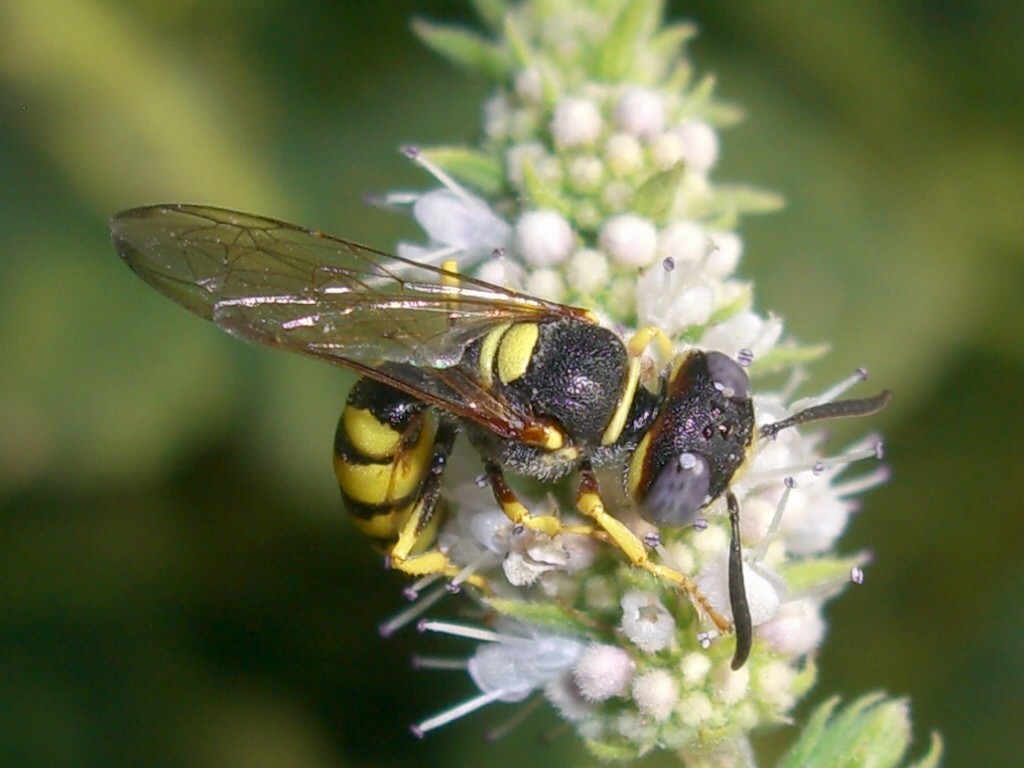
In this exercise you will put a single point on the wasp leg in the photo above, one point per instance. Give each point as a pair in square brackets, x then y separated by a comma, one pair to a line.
[635, 349]
[639, 341]
[589, 503]
[517, 512]
[420, 526]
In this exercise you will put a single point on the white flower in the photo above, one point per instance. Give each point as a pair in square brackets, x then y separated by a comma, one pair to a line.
[546, 284]
[518, 664]
[745, 331]
[674, 298]
[585, 173]
[796, 630]
[763, 589]
[480, 534]
[629, 240]
[458, 226]
[568, 700]
[508, 665]
[544, 238]
[602, 672]
[695, 667]
[700, 145]
[656, 693]
[529, 85]
[568, 144]
[683, 242]
[577, 122]
[646, 623]
[640, 111]
[623, 154]
[724, 255]
[518, 156]
[588, 270]
[667, 149]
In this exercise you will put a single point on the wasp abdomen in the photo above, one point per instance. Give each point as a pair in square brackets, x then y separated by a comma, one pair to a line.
[383, 450]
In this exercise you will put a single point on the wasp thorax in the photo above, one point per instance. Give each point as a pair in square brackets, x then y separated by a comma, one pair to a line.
[697, 442]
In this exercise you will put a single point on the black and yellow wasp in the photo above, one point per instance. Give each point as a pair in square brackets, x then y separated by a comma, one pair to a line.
[541, 389]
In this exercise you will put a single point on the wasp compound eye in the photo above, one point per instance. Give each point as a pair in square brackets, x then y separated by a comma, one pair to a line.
[728, 376]
[678, 493]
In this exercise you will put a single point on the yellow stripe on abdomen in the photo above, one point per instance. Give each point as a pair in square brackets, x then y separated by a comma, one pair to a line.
[382, 482]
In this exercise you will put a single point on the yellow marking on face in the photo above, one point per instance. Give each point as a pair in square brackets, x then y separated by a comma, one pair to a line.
[516, 349]
[636, 466]
[369, 436]
[386, 483]
[488, 349]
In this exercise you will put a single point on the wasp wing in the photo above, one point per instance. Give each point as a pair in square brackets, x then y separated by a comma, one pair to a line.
[400, 322]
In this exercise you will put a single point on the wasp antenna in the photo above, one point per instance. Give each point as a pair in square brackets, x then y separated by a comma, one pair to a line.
[737, 590]
[841, 409]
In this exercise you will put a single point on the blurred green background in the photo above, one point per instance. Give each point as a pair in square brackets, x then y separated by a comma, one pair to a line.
[178, 586]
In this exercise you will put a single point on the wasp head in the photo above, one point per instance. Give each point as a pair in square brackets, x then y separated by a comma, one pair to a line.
[698, 441]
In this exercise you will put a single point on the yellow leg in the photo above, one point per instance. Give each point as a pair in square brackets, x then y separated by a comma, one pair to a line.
[638, 343]
[589, 503]
[517, 512]
[422, 519]
[421, 524]
[635, 348]
[451, 267]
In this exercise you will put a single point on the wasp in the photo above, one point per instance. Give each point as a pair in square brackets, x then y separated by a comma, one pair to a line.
[541, 389]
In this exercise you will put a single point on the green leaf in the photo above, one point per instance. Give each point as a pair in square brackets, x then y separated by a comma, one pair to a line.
[466, 50]
[811, 736]
[548, 615]
[656, 194]
[805, 679]
[934, 755]
[611, 752]
[520, 51]
[540, 193]
[491, 12]
[783, 357]
[670, 39]
[801, 575]
[873, 732]
[619, 51]
[731, 200]
[667, 44]
[474, 168]
[741, 302]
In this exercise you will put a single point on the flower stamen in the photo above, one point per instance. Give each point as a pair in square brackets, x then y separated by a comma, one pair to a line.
[451, 715]
[773, 526]
[832, 394]
[461, 630]
[413, 611]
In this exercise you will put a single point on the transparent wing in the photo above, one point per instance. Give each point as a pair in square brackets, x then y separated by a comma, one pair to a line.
[403, 323]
